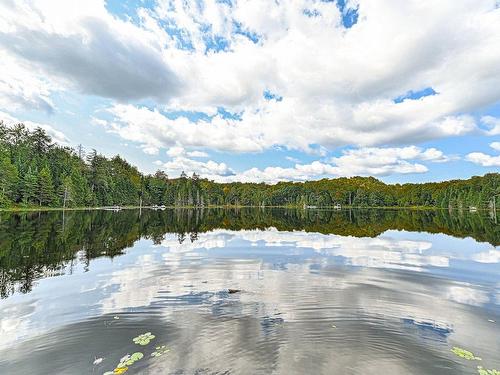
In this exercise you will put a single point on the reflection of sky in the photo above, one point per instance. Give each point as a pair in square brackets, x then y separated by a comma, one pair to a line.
[397, 277]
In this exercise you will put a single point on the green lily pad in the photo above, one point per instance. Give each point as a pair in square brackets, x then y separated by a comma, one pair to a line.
[143, 339]
[462, 353]
[160, 350]
[483, 371]
[124, 361]
[129, 360]
[136, 356]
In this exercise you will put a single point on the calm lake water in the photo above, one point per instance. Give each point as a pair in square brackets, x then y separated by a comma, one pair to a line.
[321, 291]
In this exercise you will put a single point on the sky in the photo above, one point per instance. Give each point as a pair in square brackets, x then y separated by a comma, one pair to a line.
[262, 90]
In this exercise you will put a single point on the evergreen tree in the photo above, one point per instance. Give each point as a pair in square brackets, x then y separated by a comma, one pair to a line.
[46, 194]
[29, 187]
[9, 178]
[33, 170]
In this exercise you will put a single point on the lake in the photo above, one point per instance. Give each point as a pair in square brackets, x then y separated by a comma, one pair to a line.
[249, 291]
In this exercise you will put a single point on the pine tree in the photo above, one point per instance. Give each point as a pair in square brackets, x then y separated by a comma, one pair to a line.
[29, 186]
[46, 194]
[9, 178]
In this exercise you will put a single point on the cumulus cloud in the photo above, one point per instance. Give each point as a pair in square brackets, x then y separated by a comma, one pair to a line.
[86, 48]
[361, 162]
[251, 133]
[180, 151]
[484, 160]
[23, 89]
[492, 123]
[336, 86]
[181, 162]
[384, 161]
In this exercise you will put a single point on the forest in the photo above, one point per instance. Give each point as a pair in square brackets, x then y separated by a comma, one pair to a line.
[36, 172]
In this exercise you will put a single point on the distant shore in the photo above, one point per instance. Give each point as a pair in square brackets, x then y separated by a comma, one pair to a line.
[326, 208]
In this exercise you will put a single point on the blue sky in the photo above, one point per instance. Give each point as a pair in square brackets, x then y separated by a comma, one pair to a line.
[262, 91]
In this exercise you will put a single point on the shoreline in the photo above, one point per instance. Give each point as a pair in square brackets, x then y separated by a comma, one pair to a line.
[324, 208]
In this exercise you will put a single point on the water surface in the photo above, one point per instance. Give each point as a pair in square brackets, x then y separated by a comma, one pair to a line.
[321, 291]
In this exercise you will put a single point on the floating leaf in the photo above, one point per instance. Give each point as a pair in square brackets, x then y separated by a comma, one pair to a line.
[124, 361]
[143, 339]
[136, 356]
[160, 350]
[120, 370]
[483, 371]
[130, 360]
[464, 354]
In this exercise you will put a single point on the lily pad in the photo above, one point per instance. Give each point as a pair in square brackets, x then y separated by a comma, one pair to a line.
[160, 350]
[120, 370]
[136, 356]
[144, 339]
[483, 371]
[124, 361]
[462, 353]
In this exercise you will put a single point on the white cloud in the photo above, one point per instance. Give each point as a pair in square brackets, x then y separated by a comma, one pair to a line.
[362, 162]
[180, 151]
[337, 85]
[384, 161]
[57, 136]
[209, 169]
[197, 154]
[21, 88]
[483, 159]
[492, 123]
[495, 146]
[175, 151]
[150, 150]
[85, 48]
[436, 156]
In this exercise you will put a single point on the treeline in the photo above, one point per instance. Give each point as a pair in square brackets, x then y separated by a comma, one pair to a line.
[35, 245]
[35, 171]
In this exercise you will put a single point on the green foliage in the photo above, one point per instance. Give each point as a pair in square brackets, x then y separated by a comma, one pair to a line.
[46, 195]
[465, 354]
[143, 339]
[160, 350]
[34, 171]
[29, 187]
[483, 371]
